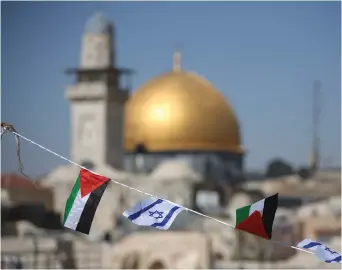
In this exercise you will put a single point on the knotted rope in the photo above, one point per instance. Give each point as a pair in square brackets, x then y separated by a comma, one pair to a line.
[5, 127]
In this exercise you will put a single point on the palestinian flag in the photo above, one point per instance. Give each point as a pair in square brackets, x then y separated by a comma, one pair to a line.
[258, 218]
[82, 203]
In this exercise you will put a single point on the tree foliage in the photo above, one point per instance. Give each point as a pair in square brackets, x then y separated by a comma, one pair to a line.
[278, 167]
[304, 173]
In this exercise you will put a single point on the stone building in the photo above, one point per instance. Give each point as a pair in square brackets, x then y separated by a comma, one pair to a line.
[181, 114]
[19, 190]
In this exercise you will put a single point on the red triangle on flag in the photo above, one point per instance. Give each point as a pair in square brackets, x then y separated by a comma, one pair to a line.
[254, 225]
[89, 182]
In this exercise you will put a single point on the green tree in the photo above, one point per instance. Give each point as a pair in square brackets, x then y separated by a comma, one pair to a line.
[278, 167]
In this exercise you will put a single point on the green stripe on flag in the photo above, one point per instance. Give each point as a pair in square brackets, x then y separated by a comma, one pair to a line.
[71, 198]
[242, 213]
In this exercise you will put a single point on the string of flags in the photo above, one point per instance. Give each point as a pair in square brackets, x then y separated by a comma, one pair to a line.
[86, 194]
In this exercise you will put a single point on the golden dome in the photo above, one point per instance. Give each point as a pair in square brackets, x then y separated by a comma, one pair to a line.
[180, 111]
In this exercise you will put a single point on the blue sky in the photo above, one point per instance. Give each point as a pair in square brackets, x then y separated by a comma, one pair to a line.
[263, 56]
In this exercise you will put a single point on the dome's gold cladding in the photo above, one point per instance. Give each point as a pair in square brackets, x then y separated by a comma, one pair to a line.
[180, 111]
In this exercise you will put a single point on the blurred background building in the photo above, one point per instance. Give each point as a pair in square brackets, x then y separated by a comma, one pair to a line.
[176, 137]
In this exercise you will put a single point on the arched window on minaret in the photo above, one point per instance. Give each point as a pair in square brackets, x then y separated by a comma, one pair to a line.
[88, 164]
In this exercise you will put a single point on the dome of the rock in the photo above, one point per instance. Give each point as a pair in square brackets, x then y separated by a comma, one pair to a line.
[180, 111]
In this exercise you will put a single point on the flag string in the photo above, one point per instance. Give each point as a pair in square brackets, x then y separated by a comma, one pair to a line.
[148, 194]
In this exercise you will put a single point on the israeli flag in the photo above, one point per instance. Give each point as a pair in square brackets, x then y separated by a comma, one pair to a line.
[154, 213]
[321, 251]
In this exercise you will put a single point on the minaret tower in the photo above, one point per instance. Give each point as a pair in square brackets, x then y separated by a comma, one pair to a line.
[316, 110]
[97, 99]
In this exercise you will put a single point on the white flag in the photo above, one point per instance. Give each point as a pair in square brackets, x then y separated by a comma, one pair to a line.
[154, 213]
[321, 251]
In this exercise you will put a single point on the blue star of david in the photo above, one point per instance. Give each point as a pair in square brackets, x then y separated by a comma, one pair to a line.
[331, 251]
[156, 214]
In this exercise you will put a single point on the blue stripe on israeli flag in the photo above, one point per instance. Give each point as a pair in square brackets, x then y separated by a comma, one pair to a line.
[309, 244]
[321, 251]
[327, 255]
[153, 212]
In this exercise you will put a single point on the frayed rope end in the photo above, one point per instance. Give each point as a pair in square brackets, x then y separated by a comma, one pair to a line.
[5, 127]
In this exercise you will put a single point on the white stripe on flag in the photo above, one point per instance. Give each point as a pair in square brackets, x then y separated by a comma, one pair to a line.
[76, 211]
[258, 206]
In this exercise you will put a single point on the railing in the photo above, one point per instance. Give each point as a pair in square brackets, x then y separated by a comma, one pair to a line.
[30, 260]
[48, 260]
[49, 253]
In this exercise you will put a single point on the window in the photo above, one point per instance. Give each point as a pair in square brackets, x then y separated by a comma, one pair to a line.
[207, 200]
[88, 164]
[90, 77]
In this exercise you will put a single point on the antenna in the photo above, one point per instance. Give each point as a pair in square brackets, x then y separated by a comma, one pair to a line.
[316, 111]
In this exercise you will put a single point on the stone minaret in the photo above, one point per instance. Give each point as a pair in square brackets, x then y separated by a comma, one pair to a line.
[97, 100]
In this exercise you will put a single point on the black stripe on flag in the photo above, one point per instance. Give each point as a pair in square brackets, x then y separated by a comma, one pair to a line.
[270, 208]
[89, 210]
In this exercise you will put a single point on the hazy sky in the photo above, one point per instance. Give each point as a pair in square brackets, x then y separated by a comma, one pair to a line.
[262, 56]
